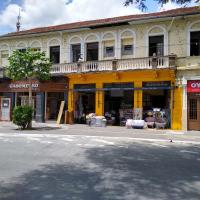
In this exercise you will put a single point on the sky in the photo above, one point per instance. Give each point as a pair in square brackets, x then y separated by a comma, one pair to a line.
[37, 13]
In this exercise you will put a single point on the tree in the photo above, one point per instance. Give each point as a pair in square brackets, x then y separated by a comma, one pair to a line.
[141, 3]
[28, 65]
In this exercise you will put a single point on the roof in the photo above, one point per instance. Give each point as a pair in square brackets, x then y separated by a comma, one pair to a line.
[108, 21]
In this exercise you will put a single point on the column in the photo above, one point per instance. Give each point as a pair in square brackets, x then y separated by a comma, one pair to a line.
[176, 108]
[138, 99]
[70, 104]
[99, 100]
[40, 106]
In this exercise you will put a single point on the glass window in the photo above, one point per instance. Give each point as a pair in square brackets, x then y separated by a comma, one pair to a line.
[76, 52]
[4, 58]
[55, 54]
[156, 45]
[92, 51]
[195, 43]
[109, 51]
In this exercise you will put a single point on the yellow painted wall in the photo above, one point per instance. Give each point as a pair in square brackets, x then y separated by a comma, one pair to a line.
[136, 77]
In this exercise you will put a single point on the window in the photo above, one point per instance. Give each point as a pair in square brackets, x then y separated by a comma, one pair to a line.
[36, 49]
[92, 51]
[127, 49]
[55, 54]
[4, 58]
[22, 50]
[195, 43]
[109, 51]
[156, 45]
[76, 52]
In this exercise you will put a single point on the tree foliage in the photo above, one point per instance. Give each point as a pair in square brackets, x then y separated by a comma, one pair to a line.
[22, 116]
[142, 3]
[28, 64]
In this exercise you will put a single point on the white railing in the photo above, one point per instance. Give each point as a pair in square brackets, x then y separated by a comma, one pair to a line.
[91, 66]
[112, 65]
[64, 68]
[128, 64]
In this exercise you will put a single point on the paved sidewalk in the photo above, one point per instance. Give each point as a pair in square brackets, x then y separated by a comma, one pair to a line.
[109, 131]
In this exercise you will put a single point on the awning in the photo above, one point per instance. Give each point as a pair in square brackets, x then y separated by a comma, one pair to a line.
[124, 89]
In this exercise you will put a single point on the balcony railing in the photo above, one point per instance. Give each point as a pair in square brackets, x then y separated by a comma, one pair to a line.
[115, 65]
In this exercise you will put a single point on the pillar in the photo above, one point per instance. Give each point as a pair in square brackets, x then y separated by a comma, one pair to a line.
[99, 100]
[71, 104]
[138, 95]
[138, 100]
[176, 108]
[40, 106]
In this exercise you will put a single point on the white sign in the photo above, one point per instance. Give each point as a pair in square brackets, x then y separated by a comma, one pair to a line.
[23, 85]
[195, 85]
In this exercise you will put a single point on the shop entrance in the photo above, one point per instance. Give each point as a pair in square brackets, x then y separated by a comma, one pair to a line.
[194, 112]
[118, 102]
[156, 104]
[85, 104]
[84, 101]
[5, 109]
[53, 104]
[22, 99]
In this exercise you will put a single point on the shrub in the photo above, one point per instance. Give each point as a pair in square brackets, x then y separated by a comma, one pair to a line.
[22, 116]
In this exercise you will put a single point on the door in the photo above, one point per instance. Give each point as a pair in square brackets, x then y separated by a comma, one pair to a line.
[5, 109]
[194, 113]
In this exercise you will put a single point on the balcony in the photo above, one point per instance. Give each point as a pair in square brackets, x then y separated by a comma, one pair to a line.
[164, 62]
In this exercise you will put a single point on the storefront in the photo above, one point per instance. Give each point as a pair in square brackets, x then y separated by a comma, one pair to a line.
[122, 95]
[193, 98]
[46, 96]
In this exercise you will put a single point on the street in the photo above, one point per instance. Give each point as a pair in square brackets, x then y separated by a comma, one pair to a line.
[80, 167]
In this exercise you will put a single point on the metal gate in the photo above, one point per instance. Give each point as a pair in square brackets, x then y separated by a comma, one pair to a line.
[194, 113]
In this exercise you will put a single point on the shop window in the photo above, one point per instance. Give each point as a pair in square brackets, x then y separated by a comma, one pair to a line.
[92, 51]
[4, 57]
[55, 54]
[195, 43]
[156, 45]
[76, 52]
[109, 51]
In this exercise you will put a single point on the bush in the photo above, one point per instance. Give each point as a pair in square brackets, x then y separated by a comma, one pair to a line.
[22, 116]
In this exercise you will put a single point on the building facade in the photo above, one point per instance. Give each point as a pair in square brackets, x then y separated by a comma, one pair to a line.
[123, 67]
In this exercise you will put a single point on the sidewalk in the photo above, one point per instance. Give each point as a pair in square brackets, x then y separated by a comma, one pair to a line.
[110, 131]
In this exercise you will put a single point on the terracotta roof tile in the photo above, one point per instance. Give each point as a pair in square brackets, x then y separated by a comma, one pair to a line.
[107, 21]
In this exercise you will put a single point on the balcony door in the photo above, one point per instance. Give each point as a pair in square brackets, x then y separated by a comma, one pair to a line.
[92, 51]
[194, 113]
[156, 45]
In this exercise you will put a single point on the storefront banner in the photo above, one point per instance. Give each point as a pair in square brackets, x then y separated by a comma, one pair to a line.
[193, 86]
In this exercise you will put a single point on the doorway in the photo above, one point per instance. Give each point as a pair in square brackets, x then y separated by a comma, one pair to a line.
[53, 104]
[84, 105]
[5, 109]
[194, 112]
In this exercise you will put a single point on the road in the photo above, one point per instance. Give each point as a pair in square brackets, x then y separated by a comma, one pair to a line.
[78, 167]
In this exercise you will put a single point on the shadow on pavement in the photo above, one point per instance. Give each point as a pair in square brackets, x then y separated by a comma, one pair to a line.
[115, 174]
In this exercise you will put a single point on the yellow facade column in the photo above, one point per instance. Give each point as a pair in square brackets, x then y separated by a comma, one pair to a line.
[138, 95]
[99, 100]
[70, 103]
[176, 102]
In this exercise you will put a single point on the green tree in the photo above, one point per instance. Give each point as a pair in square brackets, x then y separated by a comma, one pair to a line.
[28, 65]
[142, 3]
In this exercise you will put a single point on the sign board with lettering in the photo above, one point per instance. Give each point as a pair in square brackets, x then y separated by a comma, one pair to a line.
[193, 86]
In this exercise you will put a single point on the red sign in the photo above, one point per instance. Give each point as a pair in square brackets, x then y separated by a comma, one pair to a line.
[193, 86]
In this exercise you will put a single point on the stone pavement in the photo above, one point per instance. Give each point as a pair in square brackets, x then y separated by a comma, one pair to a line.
[109, 131]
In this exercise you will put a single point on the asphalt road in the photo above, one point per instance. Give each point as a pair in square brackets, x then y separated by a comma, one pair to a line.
[64, 167]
